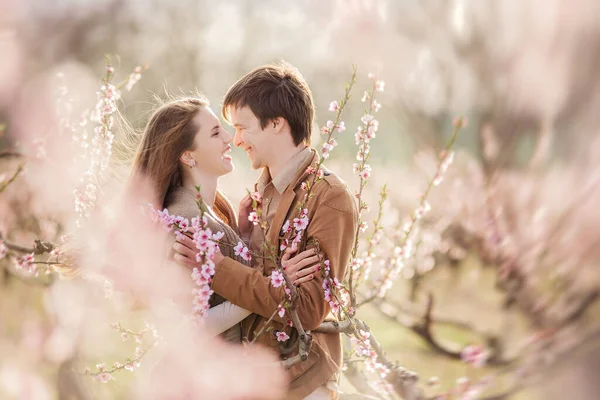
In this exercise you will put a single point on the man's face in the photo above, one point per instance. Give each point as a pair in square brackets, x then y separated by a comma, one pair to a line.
[251, 137]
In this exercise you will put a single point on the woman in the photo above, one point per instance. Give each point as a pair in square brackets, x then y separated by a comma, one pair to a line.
[185, 146]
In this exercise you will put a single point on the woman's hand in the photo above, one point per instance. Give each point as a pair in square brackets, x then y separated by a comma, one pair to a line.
[185, 253]
[245, 225]
[302, 267]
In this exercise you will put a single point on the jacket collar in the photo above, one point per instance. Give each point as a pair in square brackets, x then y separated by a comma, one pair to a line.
[288, 197]
[287, 175]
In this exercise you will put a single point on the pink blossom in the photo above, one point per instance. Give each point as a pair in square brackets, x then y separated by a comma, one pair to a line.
[320, 174]
[300, 224]
[281, 336]
[335, 307]
[327, 147]
[447, 160]
[311, 170]
[284, 244]
[184, 225]
[241, 250]
[379, 86]
[337, 283]
[459, 122]
[26, 263]
[202, 237]
[363, 226]
[256, 196]
[179, 236]
[208, 269]
[341, 127]
[104, 377]
[357, 264]
[475, 355]
[100, 367]
[366, 119]
[218, 236]
[277, 278]
[333, 106]
[281, 312]
[437, 179]
[303, 186]
[245, 254]
[376, 106]
[365, 97]
[358, 136]
[366, 172]
[422, 210]
[196, 223]
[134, 78]
[286, 227]
[296, 240]
[253, 217]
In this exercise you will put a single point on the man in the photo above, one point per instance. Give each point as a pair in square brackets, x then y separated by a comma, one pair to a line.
[272, 111]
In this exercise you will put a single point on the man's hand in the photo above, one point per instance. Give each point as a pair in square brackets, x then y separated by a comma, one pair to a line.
[185, 253]
[245, 225]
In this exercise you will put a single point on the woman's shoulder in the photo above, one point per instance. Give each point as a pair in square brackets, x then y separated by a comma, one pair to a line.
[182, 203]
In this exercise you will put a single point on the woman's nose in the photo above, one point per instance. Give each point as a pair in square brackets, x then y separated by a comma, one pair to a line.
[227, 137]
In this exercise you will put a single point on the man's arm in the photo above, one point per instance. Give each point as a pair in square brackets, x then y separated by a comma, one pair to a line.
[334, 226]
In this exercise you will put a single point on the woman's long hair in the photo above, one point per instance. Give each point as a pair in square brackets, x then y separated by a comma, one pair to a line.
[169, 132]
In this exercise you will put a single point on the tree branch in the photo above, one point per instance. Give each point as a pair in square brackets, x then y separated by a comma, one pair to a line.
[10, 153]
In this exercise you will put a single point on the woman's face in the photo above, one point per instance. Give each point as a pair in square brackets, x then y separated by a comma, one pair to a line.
[212, 145]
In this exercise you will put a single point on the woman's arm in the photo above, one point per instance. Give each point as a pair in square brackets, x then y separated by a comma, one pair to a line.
[219, 318]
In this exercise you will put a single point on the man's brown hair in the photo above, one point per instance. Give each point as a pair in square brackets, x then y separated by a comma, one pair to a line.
[271, 91]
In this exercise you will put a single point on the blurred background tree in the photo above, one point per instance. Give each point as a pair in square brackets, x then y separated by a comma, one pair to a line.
[522, 192]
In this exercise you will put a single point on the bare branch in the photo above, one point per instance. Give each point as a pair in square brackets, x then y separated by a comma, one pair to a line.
[10, 154]
[39, 247]
[335, 327]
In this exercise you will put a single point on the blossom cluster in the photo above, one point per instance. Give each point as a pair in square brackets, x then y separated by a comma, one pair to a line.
[335, 293]
[364, 349]
[206, 244]
[104, 374]
[406, 248]
[98, 152]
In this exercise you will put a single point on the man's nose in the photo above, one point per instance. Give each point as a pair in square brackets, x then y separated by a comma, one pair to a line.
[237, 139]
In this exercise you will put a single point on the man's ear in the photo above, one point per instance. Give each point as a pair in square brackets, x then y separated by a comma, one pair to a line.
[278, 123]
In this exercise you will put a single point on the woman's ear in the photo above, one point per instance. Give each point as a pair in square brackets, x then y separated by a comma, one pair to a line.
[187, 159]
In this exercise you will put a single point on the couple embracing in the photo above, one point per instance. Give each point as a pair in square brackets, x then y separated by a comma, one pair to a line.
[184, 145]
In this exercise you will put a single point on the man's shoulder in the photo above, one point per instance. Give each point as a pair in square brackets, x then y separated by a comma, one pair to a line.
[335, 193]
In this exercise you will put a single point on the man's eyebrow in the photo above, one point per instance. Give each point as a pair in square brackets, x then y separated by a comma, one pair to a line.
[238, 125]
